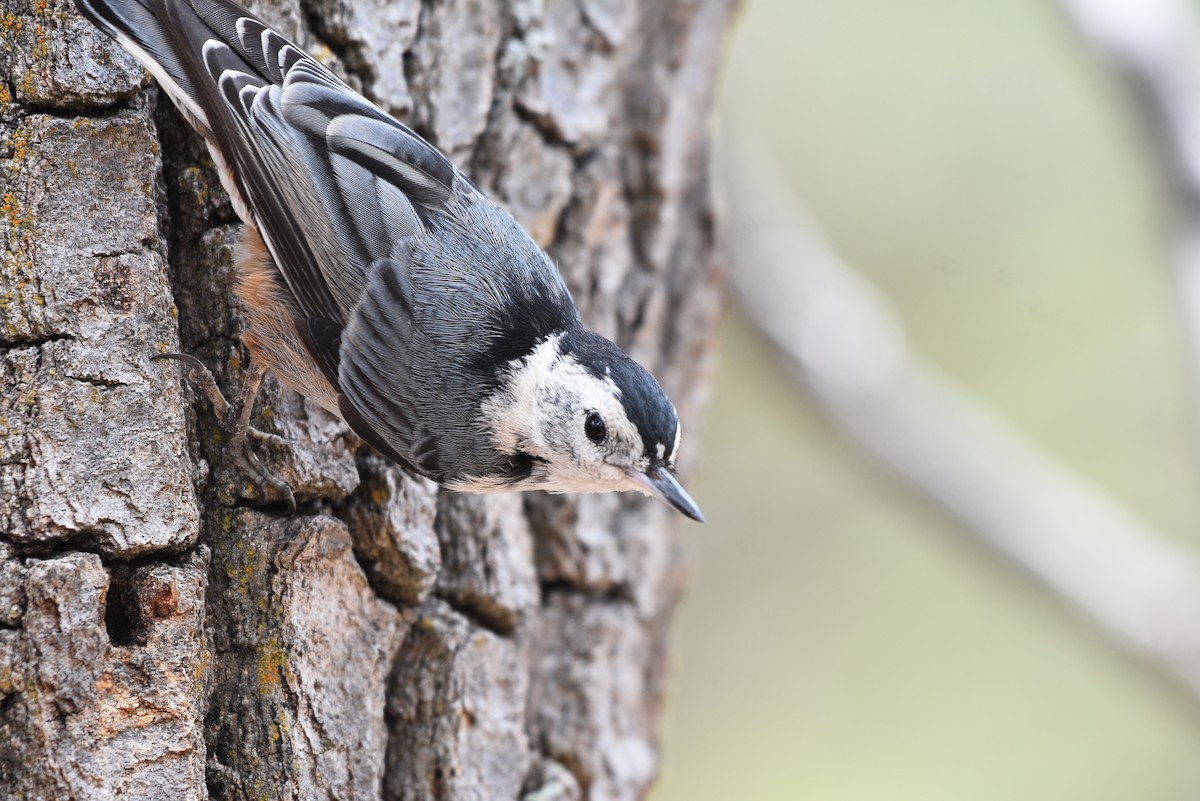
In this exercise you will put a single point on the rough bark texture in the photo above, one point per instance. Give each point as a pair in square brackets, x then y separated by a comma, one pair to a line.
[163, 633]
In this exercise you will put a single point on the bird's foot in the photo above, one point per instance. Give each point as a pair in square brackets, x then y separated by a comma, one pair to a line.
[235, 423]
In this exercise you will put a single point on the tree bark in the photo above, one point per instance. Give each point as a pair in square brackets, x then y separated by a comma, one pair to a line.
[165, 636]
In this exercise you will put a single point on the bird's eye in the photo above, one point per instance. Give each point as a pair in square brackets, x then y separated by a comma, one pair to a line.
[595, 428]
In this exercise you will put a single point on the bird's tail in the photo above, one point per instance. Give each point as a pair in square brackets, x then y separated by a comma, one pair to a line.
[138, 27]
[170, 38]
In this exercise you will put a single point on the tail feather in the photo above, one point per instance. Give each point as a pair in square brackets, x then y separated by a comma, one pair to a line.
[254, 42]
[133, 24]
[162, 34]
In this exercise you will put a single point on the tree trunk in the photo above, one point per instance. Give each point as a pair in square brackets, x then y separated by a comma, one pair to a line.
[165, 637]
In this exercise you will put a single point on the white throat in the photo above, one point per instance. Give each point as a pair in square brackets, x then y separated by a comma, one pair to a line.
[512, 414]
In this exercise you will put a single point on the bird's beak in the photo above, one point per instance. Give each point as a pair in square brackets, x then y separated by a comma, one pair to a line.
[659, 482]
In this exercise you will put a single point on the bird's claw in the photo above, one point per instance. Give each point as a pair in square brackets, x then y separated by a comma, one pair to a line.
[200, 377]
[249, 463]
[235, 421]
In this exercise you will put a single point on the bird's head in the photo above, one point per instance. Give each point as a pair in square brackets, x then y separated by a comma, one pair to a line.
[591, 418]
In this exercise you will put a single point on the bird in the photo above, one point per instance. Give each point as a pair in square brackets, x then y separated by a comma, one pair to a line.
[377, 280]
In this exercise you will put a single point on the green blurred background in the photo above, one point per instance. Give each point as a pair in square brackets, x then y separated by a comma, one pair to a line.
[842, 638]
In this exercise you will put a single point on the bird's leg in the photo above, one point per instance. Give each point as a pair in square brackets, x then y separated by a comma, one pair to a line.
[241, 432]
[235, 419]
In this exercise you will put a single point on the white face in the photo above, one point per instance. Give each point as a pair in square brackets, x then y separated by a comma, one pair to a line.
[556, 410]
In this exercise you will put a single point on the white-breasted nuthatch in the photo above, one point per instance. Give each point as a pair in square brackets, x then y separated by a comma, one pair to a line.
[378, 281]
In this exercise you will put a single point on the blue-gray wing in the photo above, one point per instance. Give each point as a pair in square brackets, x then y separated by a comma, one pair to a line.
[338, 189]
[384, 373]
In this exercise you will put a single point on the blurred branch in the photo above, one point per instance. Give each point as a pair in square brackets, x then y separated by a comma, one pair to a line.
[839, 335]
[1156, 45]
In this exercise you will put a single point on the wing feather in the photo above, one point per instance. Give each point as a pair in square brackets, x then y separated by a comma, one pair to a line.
[372, 366]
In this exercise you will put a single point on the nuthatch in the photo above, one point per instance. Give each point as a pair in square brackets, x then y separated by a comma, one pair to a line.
[379, 282]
